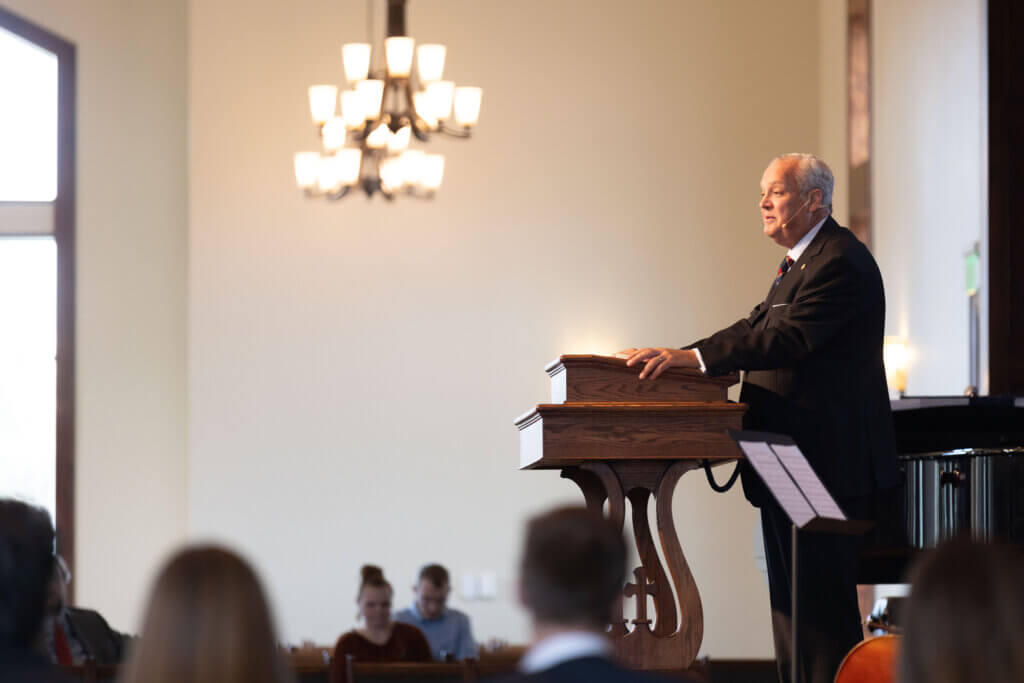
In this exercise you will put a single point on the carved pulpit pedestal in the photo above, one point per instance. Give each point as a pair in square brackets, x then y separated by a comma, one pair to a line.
[621, 438]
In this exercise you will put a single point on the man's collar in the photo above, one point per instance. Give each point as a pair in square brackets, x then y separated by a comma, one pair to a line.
[416, 611]
[798, 249]
[562, 647]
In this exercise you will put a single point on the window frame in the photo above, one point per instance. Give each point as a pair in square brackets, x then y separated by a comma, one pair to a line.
[64, 236]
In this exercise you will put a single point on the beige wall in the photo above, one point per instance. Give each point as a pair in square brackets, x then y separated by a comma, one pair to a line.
[929, 183]
[355, 368]
[130, 290]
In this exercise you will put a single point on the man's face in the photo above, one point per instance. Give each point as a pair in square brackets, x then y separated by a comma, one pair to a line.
[781, 203]
[430, 598]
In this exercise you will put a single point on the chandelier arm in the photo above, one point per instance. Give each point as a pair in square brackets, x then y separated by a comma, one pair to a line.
[418, 129]
[361, 135]
[461, 133]
[338, 194]
[389, 112]
[429, 194]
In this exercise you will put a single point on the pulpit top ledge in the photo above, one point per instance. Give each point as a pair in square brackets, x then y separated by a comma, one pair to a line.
[601, 410]
[592, 378]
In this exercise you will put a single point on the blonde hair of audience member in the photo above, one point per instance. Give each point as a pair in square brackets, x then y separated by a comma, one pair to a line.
[207, 622]
[374, 600]
[964, 620]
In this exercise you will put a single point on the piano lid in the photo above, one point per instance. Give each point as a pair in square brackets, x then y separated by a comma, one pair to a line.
[917, 402]
[941, 423]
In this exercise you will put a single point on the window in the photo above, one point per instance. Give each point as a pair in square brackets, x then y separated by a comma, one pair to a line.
[37, 270]
[28, 392]
[28, 121]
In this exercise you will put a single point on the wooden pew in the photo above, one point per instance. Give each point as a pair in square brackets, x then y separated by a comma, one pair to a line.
[396, 672]
[91, 672]
[313, 665]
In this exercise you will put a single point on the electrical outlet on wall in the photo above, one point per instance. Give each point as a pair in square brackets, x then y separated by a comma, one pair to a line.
[488, 586]
[469, 586]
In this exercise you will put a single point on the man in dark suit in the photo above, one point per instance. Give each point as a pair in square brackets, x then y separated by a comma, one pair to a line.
[73, 635]
[26, 564]
[571, 574]
[812, 352]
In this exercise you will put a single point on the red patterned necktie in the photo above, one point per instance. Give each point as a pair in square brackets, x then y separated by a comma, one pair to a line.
[60, 646]
[783, 269]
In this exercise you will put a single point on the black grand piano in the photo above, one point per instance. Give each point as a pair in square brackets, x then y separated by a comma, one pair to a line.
[963, 460]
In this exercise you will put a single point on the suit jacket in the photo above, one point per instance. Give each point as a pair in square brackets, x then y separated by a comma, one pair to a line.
[20, 666]
[99, 641]
[581, 670]
[812, 352]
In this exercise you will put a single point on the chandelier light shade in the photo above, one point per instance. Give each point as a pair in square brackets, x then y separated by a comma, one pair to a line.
[367, 130]
[398, 50]
[321, 102]
[430, 62]
[356, 59]
[467, 106]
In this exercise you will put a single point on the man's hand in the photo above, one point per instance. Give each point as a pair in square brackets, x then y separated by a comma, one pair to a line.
[657, 360]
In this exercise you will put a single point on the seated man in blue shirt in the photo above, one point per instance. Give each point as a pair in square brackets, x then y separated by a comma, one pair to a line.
[447, 630]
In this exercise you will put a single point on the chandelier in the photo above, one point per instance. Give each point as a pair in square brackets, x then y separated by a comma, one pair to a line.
[366, 130]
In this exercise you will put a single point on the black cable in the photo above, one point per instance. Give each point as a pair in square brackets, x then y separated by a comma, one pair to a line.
[711, 477]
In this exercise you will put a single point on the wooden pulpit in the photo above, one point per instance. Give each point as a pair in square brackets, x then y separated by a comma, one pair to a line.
[621, 438]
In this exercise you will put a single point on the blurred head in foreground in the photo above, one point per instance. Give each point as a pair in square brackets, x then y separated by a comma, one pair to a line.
[572, 569]
[207, 622]
[964, 620]
[26, 565]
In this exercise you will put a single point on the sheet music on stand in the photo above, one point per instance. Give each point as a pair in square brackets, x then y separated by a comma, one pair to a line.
[801, 495]
[789, 477]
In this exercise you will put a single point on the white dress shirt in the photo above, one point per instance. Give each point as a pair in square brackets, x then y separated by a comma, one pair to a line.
[563, 647]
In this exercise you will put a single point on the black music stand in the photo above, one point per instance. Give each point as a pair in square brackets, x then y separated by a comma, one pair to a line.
[801, 495]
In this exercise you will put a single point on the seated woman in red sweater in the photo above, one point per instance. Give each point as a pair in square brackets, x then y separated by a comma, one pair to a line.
[380, 639]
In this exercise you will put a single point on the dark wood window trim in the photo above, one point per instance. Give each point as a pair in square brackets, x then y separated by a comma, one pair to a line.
[1005, 175]
[64, 235]
[858, 98]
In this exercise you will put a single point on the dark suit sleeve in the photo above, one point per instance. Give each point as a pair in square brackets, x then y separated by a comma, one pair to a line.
[750, 319]
[100, 642]
[828, 302]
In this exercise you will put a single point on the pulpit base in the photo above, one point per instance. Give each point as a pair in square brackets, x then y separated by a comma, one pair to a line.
[671, 639]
